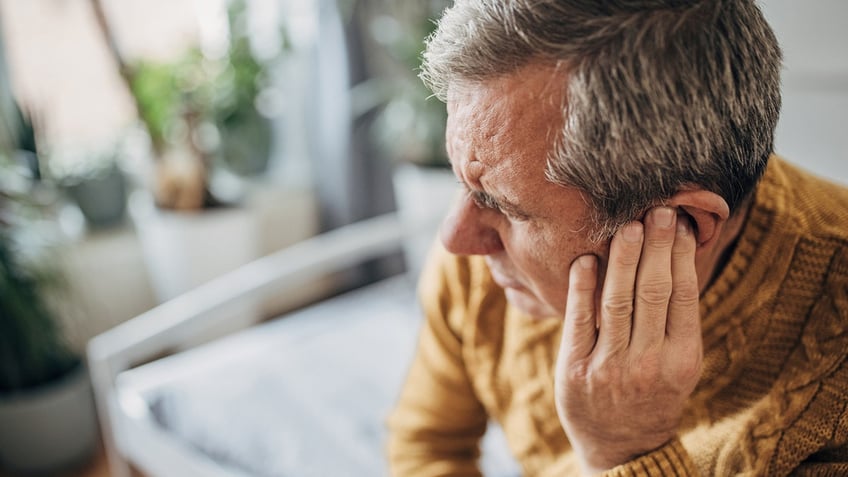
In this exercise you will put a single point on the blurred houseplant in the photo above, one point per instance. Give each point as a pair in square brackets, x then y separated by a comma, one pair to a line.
[31, 346]
[411, 126]
[33, 350]
[200, 112]
[94, 180]
[46, 409]
[203, 115]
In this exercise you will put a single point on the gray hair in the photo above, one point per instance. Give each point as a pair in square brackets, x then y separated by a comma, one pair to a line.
[660, 94]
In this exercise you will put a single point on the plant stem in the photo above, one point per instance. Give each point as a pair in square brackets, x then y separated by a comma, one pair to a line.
[124, 70]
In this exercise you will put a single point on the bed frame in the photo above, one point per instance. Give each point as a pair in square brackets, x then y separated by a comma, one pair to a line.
[128, 436]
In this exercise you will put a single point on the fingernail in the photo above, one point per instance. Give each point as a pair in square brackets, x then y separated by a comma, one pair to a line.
[632, 232]
[663, 217]
[682, 227]
[586, 261]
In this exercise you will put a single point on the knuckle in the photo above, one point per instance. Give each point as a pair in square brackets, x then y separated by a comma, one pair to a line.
[686, 296]
[655, 293]
[659, 243]
[581, 317]
[688, 368]
[687, 378]
[646, 369]
[605, 375]
[617, 307]
[628, 258]
[683, 370]
[649, 360]
[577, 372]
[685, 282]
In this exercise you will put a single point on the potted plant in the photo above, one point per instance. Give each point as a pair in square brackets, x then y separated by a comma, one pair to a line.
[206, 133]
[411, 126]
[93, 179]
[47, 420]
[245, 131]
[201, 113]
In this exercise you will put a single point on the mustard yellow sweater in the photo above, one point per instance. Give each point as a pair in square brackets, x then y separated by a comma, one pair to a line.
[773, 397]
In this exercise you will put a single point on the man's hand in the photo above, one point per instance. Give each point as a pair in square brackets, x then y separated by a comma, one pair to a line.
[627, 366]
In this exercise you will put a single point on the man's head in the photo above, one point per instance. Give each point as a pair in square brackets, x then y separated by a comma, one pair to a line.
[659, 94]
[568, 119]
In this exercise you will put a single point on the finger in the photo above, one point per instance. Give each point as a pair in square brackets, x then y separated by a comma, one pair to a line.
[579, 332]
[653, 281]
[684, 322]
[617, 296]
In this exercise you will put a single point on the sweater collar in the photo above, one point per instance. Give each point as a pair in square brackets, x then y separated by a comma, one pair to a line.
[758, 251]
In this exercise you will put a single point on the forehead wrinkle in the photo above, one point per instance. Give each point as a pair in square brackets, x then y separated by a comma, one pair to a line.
[518, 106]
[513, 128]
[495, 121]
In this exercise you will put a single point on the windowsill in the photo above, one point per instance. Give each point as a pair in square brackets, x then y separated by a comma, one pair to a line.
[117, 273]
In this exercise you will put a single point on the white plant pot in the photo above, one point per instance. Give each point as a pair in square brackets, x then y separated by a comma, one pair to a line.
[183, 250]
[50, 428]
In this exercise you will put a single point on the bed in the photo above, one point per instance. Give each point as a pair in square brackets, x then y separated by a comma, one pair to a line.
[305, 394]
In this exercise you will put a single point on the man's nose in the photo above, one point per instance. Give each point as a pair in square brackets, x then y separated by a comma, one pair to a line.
[467, 230]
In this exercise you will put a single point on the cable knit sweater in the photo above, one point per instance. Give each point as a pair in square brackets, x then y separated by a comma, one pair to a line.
[773, 397]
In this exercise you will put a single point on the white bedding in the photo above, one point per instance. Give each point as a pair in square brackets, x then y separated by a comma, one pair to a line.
[305, 395]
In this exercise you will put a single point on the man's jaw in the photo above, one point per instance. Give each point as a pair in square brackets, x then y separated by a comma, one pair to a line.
[505, 280]
[517, 294]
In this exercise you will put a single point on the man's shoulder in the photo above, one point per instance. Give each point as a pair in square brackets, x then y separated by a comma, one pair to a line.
[817, 207]
[460, 289]
[814, 213]
[456, 274]
[819, 265]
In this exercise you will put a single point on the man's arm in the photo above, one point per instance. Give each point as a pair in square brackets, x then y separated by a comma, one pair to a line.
[437, 424]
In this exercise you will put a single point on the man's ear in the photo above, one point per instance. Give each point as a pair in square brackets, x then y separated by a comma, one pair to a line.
[708, 213]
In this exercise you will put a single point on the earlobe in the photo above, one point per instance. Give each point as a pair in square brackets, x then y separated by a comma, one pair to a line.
[707, 211]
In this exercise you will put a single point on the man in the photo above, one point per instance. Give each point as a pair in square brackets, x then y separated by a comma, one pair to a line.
[631, 283]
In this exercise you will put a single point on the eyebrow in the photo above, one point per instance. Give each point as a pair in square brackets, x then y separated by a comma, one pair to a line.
[500, 203]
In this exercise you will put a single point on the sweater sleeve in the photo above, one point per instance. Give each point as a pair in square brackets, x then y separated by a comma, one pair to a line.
[670, 459]
[437, 423]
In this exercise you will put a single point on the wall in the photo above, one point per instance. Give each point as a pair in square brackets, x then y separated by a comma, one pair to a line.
[812, 130]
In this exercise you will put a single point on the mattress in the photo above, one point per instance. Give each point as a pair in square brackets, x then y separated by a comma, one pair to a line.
[306, 394]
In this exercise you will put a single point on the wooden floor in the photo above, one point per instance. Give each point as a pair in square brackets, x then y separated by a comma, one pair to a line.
[98, 467]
